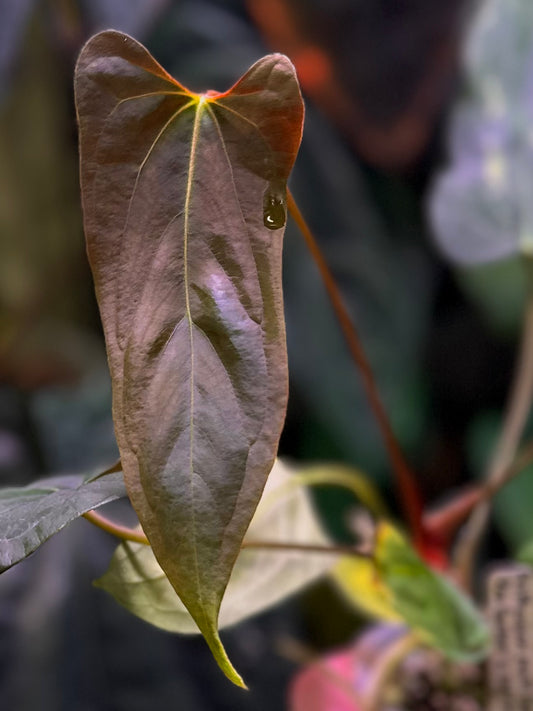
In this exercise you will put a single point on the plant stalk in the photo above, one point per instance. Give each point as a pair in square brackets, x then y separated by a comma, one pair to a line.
[442, 523]
[385, 667]
[405, 479]
[307, 548]
[115, 529]
[124, 533]
[515, 418]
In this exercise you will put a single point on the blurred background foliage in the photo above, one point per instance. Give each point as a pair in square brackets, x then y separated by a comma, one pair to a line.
[418, 118]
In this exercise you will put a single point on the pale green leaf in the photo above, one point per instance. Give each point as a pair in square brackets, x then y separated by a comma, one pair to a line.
[344, 477]
[260, 578]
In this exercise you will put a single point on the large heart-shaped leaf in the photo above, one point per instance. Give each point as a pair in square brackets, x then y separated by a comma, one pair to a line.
[260, 578]
[184, 204]
[29, 515]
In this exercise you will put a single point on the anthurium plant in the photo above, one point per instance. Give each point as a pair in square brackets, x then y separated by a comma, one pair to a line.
[185, 202]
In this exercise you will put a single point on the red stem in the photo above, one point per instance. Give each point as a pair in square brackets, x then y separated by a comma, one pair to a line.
[405, 480]
[442, 524]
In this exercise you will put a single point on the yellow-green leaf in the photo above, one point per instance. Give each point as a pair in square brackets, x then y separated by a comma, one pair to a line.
[345, 477]
[363, 587]
[396, 585]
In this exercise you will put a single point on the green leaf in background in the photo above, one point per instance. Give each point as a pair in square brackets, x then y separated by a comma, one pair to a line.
[364, 588]
[525, 554]
[184, 209]
[29, 515]
[499, 289]
[481, 204]
[396, 585]
[512, 505]
[259, 579]
[345, 477]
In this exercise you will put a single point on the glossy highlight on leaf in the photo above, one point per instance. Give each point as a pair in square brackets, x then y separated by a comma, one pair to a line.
[188, 280]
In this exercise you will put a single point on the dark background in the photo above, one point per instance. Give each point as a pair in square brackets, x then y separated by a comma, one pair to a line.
[379, 79]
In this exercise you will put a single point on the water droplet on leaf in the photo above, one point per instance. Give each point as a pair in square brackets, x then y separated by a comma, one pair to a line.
[274, 209]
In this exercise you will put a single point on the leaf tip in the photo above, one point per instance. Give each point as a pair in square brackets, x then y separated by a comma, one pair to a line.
[222, 659]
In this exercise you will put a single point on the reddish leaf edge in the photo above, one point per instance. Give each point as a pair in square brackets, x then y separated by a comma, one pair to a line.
[198, 103]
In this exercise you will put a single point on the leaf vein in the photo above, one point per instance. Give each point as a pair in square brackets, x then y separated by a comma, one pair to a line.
[194, 145]
[145, 160]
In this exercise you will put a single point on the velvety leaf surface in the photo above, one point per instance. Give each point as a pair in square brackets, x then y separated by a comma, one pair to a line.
[29, 515]
[260, 578]
[398, 586]
[481, 204]
[376, 253]
[183, 198]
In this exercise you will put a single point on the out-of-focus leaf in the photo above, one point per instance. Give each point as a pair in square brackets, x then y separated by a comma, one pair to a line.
[428, 602]
[525, 553]
[259, 579]
[345, 477]
[183, 198]
[398, 586]
[30, 515]
[512, 505]
[499, 289]
[363, 587]
[481, 204]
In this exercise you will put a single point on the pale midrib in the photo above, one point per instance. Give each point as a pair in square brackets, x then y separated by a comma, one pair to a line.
[142, 165]
[194, 143]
